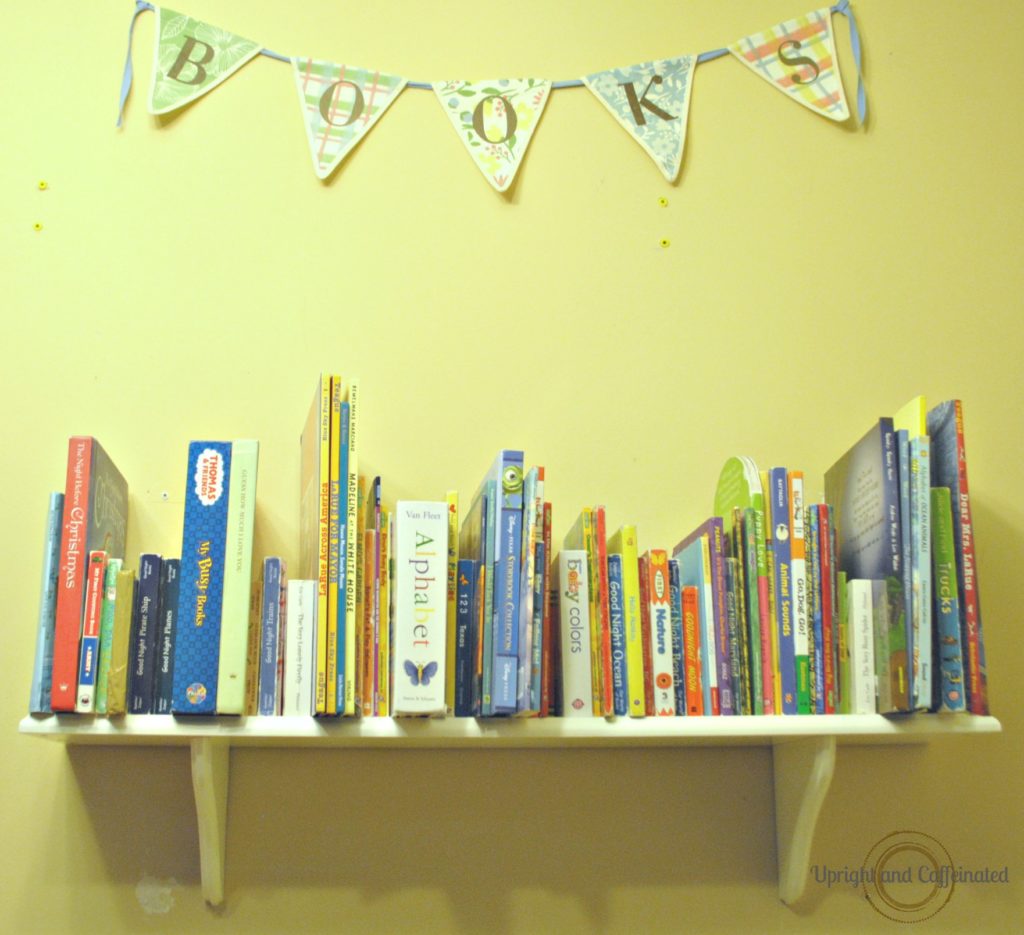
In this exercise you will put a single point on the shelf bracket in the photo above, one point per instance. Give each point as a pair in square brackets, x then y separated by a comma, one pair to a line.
[803, 771]
[210, 760]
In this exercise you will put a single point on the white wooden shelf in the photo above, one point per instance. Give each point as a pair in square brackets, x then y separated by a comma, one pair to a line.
[803, 753]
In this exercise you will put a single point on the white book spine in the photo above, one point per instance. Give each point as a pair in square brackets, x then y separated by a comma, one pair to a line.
[574, 614]
[862, 646]
[420, 608]
[921, 551]
[660, 627]
[710, 637]
[234, 624]
[298, 658]
[798, 566]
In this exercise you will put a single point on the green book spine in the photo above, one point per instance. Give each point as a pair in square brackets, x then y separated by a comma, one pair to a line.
[106, 633]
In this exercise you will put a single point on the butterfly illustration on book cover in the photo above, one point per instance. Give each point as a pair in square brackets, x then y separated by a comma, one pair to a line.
[420, 674]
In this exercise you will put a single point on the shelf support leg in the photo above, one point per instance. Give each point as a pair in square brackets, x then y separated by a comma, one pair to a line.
[803, 771]
[210, 759]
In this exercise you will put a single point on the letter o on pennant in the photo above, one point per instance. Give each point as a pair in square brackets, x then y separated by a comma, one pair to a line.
[328, 102]
[511, 121]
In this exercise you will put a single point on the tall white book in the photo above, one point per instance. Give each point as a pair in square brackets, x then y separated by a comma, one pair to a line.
[419, 608]
[298, 656]
[574, 615]
[862, 645]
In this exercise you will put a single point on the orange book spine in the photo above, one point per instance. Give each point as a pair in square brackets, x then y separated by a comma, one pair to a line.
[691, 649]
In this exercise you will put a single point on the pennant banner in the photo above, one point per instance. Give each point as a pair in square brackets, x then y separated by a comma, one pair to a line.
[192, 57]
[495, 120]
[339, 105]
[799, 58]
[652, 101]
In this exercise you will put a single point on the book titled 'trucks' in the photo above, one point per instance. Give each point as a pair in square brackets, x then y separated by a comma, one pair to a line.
[420, 608]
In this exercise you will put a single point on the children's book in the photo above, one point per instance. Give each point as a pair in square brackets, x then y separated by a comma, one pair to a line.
[947, 604]
[624, 542]
[299, 668]
[574, 614]
[95, 518]
[96, 574]
[420, 608]
[166, 632]
[124, 611]
[42, 671]
[107, 633]
[144, 637]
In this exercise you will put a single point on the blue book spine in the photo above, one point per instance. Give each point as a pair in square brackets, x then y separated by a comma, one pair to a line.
[537, 635]
[465, 587]
[42, 670]
[342, 558]
[527, 576]
[504, 674]
[617, 621]
[691, 574]
[675, 595]
[778, 479]
[140, 690]
[270, 635]
[203, 544]
[814, 573]
[507, 473]
[167, 627]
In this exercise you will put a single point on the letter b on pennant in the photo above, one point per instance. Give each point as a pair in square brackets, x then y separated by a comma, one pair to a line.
[185, 58]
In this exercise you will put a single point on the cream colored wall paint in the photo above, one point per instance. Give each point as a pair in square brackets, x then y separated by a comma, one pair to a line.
[192, 277]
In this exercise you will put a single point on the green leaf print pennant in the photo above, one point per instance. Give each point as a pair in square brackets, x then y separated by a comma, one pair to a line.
[495, 121]
[190, 58]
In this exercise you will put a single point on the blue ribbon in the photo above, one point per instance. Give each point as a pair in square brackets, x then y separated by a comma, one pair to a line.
[843, 6]
[126, 78]
[862, 99]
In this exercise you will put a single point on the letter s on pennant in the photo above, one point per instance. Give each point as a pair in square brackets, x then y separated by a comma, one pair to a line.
[797, 60]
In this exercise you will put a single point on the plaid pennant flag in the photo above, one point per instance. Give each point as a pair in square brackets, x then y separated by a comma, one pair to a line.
[799, 58]
[495, 120]
[192, 57]
[339, 105]
[652, 101]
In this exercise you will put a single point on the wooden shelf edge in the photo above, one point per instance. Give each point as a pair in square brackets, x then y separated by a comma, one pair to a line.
[495, 733]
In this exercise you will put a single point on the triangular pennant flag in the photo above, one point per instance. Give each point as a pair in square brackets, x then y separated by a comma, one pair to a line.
[799, 58]
[495, 120]
[190, 58]
[339, 105]
[652, 101]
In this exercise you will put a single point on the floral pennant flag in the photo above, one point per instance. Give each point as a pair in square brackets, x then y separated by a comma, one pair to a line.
[799, 58]
[652, 101]
[339, 105]
[191, 57]
[495, 120]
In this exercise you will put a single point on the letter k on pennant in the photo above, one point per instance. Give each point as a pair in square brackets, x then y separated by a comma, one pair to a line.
[651, 101]
[190, 58]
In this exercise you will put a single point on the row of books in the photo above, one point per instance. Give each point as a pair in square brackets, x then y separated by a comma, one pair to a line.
[865, 602]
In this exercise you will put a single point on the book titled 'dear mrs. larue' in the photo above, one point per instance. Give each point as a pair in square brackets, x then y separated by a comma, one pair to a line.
[420, 608]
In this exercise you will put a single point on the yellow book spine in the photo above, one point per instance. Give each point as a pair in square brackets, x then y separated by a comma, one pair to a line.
[252, 654]
[624, 542]
[453, 567]
[590, 546]
[117, 676]
[333, 544]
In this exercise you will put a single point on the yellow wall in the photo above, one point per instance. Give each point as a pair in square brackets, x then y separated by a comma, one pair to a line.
[192, 277]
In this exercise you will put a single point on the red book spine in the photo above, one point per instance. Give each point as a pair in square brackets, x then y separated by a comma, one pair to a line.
[601, 550]
[546, 669]
[691, 651]
[828, 637]
[71, 582]
[645, 633]
[977, 681]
